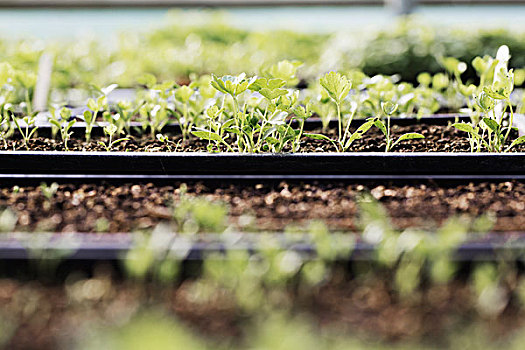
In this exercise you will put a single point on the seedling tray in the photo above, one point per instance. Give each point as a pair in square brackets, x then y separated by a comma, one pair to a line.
[22, 252]
[344, 164]
[285, 164]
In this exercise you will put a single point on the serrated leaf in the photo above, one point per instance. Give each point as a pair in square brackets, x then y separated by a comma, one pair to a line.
[336, 85]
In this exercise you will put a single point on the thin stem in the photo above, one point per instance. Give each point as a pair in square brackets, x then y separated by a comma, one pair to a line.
[388, 133]
[339, 119]
[510, 122]
[347, 129]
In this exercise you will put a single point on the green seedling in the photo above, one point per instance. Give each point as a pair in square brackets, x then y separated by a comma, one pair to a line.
[6, 127]
[64, 125]
[338, 86]
[234, 86]
[193, 215]
[388, 109]
[182, 96]
[49, 191]
[110, 131]
[27, 129]
[493, 101]
[96, 106]
[216, 131]
[168, 143]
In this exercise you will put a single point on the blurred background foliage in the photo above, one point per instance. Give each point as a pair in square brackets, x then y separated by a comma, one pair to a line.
[178, 50]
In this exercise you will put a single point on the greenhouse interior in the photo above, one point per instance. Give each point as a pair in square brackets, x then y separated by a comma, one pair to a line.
[262, 174]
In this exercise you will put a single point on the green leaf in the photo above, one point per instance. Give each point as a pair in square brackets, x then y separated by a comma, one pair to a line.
[184, 93]
[284, 70]
[88, 117]
[359, 132]
[55, 122]
[271, 140]
[389, 107]
[492, 124]
[301, 112]
[485, 101]
[408, 136]
[518, 141]
[205, 135]
[91, 104]
[465, 127]
[318, 137]
[336, 85]
[272, 94]
[379, 123]
[234, 130]
[148, 80]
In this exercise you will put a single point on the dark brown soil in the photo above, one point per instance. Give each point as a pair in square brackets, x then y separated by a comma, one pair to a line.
[46, 317]
[126, 208]
[437, 139]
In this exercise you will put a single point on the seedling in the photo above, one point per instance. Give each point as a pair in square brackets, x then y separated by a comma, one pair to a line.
[110, 131]
[183, 95]
[388, 109]
[338, 86]
[6, 128]
[96, 106]
[234, 86]
[491, 133]
[193, 215]
[27, 129]
[166, 141]
[216, 130]
[64, 126]
[49, 191]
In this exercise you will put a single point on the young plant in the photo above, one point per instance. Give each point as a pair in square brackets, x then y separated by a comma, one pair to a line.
[301, 114]
[126, 110]
[168, 143]
[338, 86]
[49, 190]
[182, 96]
[95, 107]
[27, 128]
[110, 130]
[491, 133]
[234, 86]
[217, 131]
[154, 115]
[64, 125]
[388, 109]
[6, 127]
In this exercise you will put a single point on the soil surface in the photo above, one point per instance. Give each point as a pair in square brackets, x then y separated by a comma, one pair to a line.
[437, 139]
[124, 208]
[41, 316]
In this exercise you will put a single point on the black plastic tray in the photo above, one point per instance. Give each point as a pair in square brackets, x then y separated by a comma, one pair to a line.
[114, 246]
[343, 164]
